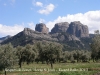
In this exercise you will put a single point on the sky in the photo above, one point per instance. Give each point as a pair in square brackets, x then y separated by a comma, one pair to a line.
[15, 15]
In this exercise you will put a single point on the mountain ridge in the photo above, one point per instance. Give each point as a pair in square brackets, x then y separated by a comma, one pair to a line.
[62, 36]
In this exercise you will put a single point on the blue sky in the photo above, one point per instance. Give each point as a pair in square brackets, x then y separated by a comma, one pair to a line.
[17, 14]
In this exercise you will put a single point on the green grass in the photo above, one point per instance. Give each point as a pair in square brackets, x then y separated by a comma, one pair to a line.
[59, 69]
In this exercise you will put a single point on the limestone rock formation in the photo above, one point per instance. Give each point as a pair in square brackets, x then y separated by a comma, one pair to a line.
[37, 35]
[41, 27]
[60, 27]
[77, 29]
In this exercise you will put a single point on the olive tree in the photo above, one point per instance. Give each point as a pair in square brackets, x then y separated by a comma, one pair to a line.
[25, 54]
[52, 52]
[95, 46]
[7, 57]
[29, 53]
[20, 54]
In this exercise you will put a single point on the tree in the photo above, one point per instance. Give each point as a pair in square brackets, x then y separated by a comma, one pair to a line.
[52, 52]
[40, 52]
[29, 53]
[7, 56]
[77, 55]
[25, 54]
[86, 56]
[20, 54]
[66, 56]
[95, 46]
[49, 52]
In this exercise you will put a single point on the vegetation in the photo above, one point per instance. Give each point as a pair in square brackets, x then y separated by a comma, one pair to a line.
[95, 46]
[7, 57]
[40, 55]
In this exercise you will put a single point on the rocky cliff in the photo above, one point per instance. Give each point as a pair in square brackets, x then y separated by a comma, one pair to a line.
[77, 29]
[41, 27]
[60, 27]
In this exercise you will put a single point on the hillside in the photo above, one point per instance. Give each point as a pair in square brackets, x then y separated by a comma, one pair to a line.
[72, 36]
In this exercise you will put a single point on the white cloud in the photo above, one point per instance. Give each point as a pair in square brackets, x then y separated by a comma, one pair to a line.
[47, 9]
[10, 30]
[42, 21]
[16, 28]
[91, 19]
[39, 4]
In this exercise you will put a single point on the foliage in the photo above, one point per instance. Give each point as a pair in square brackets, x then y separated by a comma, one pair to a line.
[7, 56]
[95, 46]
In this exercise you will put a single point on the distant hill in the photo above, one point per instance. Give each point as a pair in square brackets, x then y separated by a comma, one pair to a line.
[4, 38]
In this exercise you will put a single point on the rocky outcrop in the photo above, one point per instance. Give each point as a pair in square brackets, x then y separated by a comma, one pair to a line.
[37, 35]
[64, 37]
[60, 27]
[77, 29]
[41, 27]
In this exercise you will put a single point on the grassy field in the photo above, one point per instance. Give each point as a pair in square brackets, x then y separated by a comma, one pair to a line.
[59, 69]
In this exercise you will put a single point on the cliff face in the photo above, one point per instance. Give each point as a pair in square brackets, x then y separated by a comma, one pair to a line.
[41, 27]
[78, 29]
[60, 27]
[75, 28]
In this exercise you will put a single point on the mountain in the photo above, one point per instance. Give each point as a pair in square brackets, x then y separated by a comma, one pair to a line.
[61, 33]
[28, 36]
[4, 38]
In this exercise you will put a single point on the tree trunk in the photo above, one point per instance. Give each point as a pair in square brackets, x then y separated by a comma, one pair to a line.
[20, 63]
[5, 72]
[47, 61]
[51, 64]
[93, 59]
[77, 60]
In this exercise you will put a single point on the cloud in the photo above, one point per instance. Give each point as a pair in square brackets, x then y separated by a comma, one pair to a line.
[90, 18]
[10, 30]
[42, 21]
[44, 9]
[47, 9]
[39, 4]
[16, 28]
